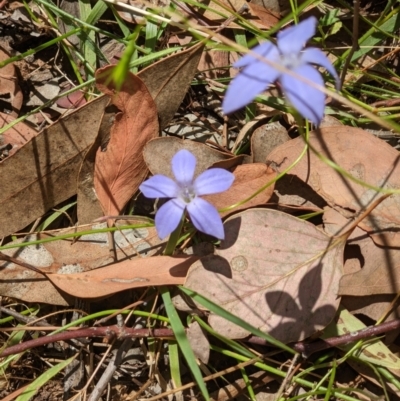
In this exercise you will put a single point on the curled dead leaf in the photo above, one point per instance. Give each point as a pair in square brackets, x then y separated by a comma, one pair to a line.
[155, 271]
[120, 168]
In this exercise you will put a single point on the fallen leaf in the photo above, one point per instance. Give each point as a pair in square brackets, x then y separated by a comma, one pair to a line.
[249, 178]
[265, 139]
[43, 172]
[155, 271]
[158, 154]
[380, 272]
[90, 251]
[274, 271]
[120, 168]
[198, 342]
[364, 157]
[89, 208]
[168, 80]
[263, 16]
[15, 136]
[9, 84]
[291, 192]
[214, 64]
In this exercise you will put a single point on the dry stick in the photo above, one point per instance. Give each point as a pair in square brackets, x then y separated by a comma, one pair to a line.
[121, 333]
[10, 259]
[354, 44]
[110, 370]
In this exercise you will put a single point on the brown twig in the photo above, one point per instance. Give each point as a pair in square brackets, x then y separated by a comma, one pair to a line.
[306, 349]
[109, 331]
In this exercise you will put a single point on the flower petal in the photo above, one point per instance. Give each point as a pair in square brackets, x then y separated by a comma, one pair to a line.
[316, 56]
[266, 49]
[250, 82]
[213, 181]
[159, 186]
[308, 101]
[205, 218]
[183, 166]
[292, 40]
[168, 217]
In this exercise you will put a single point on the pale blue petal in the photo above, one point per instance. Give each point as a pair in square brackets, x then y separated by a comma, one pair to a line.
[308, 101]
[183, 166]
[168, 217]
[213, 181]
[159, 186]
[266, 49]
[292, 40]
[250, 82]
[316, 56]
[205, 218]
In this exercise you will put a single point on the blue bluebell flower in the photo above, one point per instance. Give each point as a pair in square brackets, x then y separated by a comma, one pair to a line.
[185, 194]
[256, 75]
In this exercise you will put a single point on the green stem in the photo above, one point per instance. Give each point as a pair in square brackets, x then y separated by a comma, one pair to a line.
[174, 237]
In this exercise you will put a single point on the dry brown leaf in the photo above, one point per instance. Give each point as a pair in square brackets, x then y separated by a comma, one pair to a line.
[380, 273]
[259, 15]
[16, 136]
[265, 139]
[214, 64]
[274, 271]
[89, 208]
[158, 154]
[168, 81]
[249, 178]
[154, 271]
[263, 16]
[9, 84]
[291, 193]
[120, 168]
[198, 342]
[67, 256]
[366, 158]
[43, 172]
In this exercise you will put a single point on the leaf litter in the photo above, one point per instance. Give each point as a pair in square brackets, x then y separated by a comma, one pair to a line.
[277, 272]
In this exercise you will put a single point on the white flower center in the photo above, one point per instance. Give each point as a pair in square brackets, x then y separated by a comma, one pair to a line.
[291, 60]
[187, 193]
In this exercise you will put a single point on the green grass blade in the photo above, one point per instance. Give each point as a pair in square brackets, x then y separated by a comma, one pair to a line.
[96, 13]
[173, 350]
[183, 341]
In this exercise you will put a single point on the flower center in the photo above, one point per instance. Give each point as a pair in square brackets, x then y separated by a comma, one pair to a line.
[187, 194]
[291, 60]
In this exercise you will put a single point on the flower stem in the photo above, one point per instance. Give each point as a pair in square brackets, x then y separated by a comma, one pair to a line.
[174, 237]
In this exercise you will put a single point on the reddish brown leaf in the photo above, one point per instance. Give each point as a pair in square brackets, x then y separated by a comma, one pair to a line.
[155, 271]
[68, 256]
[249, 178]
[9, 84]
[362, 155]
[120, 169]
